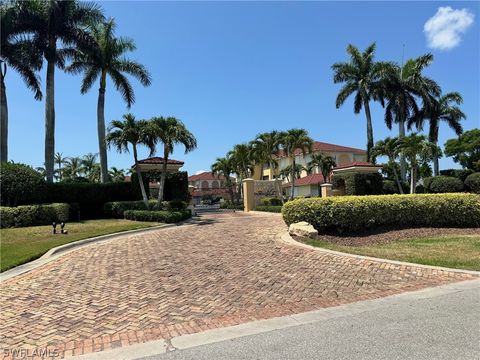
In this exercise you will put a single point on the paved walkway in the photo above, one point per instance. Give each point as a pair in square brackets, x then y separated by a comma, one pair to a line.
[226, 270]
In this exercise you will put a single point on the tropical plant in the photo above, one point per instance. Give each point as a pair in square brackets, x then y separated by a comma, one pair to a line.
[294, 141]
[90, 167]
[465, 149]
[19, 53]
[363, 77]
[243, 160]
[223, 166]
[128, 131]
[389, 147]
[107, 57]
[444, 108]
[170, 131]
[416, 149]
[52, 23]
[286, 172]
[403, 88]
[116, 175]
[324, 163]
[73, 168]
[60, 161]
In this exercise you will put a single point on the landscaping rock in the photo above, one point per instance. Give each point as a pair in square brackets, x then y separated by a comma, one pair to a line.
[303, 229]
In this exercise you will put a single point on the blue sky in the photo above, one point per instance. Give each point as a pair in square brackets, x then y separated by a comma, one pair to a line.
[230, 70]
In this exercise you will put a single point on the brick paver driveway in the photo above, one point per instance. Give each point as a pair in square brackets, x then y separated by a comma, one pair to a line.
[229, 269]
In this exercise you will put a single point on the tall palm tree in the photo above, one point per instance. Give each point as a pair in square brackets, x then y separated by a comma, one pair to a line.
[363, 77]
[444, 108]
[60, 161]
[416, 148]
[170, 132]
[292, 141]
[89, 165]
[73, 168]
[19, 53]
[404, 87]
[107, 57]
[116, 175]
[52, 23]
[223, 166]
[128, 131]
[325, 163]
[389, 147]
[242, 157]
[287, 172]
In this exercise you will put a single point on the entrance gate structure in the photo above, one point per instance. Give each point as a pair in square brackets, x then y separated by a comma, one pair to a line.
[255, 190]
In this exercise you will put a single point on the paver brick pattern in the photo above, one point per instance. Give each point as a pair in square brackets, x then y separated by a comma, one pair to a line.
[225, 270]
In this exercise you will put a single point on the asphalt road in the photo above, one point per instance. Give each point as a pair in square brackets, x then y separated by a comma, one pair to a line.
[443, 326]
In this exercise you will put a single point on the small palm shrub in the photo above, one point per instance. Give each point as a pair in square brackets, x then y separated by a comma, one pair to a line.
[472, 182]
[443, 184]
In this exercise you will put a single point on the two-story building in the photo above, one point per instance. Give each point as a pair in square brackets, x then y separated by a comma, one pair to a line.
[206, 185]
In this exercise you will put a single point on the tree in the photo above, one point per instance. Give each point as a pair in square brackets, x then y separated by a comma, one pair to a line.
[440, 109]
[60, 161]
[465, 149]
[416, 149]
[51, 22]
[107, 57]
[403, 87]
[390, 148]
[324, 163]
[89, 167]
[363, 77]
[287, 172]
[116, 175]
[292, 141]
[223, 166]
[170, 132]
[128, 131]
[73, 168]
[20, 54]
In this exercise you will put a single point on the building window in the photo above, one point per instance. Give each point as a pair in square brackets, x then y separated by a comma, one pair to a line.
[205, 185]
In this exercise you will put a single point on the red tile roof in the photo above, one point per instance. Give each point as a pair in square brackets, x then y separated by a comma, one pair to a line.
[312, 179]
[159, 160]
[356, 164]
[326, 147]
[206, 176]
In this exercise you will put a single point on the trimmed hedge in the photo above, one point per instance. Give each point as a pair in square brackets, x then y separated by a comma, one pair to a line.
[21, 184]
[115, 209]
[231, 206]
[442, 184]
[163, 216]
[461, 174]
[271, 201]
[270, 208]
[360, 213]
[32, 215]
[472, 182]
[358, 183]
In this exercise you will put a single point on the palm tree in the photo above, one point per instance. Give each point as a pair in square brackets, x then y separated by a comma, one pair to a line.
[443, 108]
[107, 57]
[129, 131]
[73, 168]
[324, 163]
[90, 166]
[286, 172]
[389, 147]
[170, 132]
[292, 141]
[52, 22]
[20, 54]
[60, 160]
[242, 157]
[223, 166]
[116, 175]
[363, 77]
[403, 87]
[416, 149]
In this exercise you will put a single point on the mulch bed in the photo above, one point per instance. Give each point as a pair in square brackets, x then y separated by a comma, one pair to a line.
[385, 236]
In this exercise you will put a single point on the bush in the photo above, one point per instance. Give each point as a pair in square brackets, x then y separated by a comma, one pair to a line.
[461, 174]
[176, 205]
[472, 182]
[391, 187]
[31, 215]
[20, 184]
[163, 216]
[442, 184]
[358, 183]
[176, 185]
[269, 208]
[116, 209]
[271, 201]
[231, 206]
[359, 213]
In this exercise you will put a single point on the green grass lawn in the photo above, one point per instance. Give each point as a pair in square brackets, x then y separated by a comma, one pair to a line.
[461, 252]
[20, 245]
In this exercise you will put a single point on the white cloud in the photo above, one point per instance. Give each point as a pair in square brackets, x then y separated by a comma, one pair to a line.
[201, 171]
[444, 29]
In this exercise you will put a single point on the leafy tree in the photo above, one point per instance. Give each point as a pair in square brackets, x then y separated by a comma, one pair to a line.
[223, 166]
[390, 148]
[107, 57]
[465, 149]
[363, 77]
[294, 141]
[128, 131]
[324, 163]
[19, 53]
[116, 175]
[60, 161]
[170, 132]
[73, 168]
[90, 167]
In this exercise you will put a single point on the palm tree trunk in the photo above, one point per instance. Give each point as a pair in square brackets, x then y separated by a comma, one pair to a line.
[293, 177]
[403, 161]
[102, 146]
[139, 176]
[399, 184]
[413, 180]
[433, 138]
[163, 176]
[369, 130]
[50, 119]
[4, 120]
[278, 189]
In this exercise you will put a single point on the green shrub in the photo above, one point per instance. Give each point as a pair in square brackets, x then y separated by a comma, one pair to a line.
[269, 208]
[442, 184]
[20, 184]
[359, 213]
[176, 185]
[176, 205]
[231, 206]
[472, 182]
[32, 215]
[163, 216]
[271, 201]
[358, 183]
[461, 174]
[391, 187]
[116, 209]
